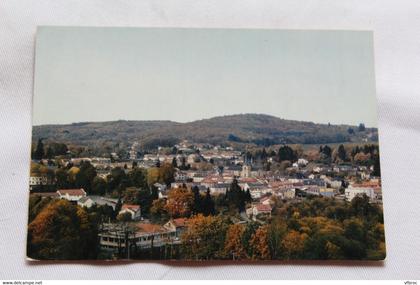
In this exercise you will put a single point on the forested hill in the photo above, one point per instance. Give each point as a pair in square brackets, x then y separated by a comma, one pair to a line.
[243, 128]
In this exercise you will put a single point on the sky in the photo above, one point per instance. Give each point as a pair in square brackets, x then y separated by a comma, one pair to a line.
[105, 74]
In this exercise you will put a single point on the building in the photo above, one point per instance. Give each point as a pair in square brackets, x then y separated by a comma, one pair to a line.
[351, 192]
[246, 171]
[176, 225]
[37, 181]
[162, 190]
[266, 200]
[72, 195]
[327, 192]
[89, 201]
[85, 202]
[133, 210]
[219, 188]
[261, 209]
[137, 236]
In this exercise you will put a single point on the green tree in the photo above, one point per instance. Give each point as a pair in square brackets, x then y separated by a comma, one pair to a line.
[287, 153]
[99, 186]
[208, 207]
[342, 153]
[138, 177]
[84, 178]
[39, 151]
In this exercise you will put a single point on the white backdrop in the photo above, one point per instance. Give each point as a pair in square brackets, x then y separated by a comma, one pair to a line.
[397, 55]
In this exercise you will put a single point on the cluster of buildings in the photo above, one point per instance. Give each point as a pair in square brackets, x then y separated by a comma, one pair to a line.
[339, 181]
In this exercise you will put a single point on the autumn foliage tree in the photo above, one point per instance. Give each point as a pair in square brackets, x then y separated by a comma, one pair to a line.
[234, 246]
[204, 237]
[293, 244]
[62, 231]
[180, 202]
[259, 243]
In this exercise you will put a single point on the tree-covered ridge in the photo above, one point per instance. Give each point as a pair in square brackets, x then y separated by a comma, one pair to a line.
[234, 129]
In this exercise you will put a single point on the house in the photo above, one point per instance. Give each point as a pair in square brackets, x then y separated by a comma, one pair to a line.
[176, 225]
[85, 202]
[133, 210]
[112, 237]
[266, 200]
[289, 193]
[72, 195]
[219, 188]
[302, 162]
[261, 209]
[37, 180]
[162, 191]
[351, 192]
[327, 192]
[102, 201]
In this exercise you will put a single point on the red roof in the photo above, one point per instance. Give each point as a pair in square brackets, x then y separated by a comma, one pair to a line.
[248, 180]
[149, 228]
[72, 192]
[134, 208]
[263, 208]
[180, 222]
[265, 198]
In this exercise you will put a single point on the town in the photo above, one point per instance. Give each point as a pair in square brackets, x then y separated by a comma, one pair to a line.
[201, 201]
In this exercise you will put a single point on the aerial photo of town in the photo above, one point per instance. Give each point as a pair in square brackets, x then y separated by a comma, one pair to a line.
[248, 150]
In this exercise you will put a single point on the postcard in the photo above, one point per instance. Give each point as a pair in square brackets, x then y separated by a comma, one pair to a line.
[204, 144]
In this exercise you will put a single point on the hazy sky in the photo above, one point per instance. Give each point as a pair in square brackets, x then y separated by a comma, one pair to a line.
[103, 74]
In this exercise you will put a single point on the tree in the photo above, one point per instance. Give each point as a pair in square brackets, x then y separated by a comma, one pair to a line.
[145, 198]
[293, 244]
[117, 180]
[174, 162]
[276, 231]
[236, 197]
[342, 153]
[180, 202]
[376, 166]
[124, 217]
[166, 174]
[234, 246]
[138, 177]
[353, 229]
[131, 195]
[36, 205]
[62, 231]
[259, 243]
[99, 186]
[264, 154]
[49, 153]
[197, 208]
[204, 237]
[208, 205]
[152, 175]
[362, 127]
[158, 210]
[84, 178]
[287, 153]
[62, 178]
[326, 151]
[39, 151]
